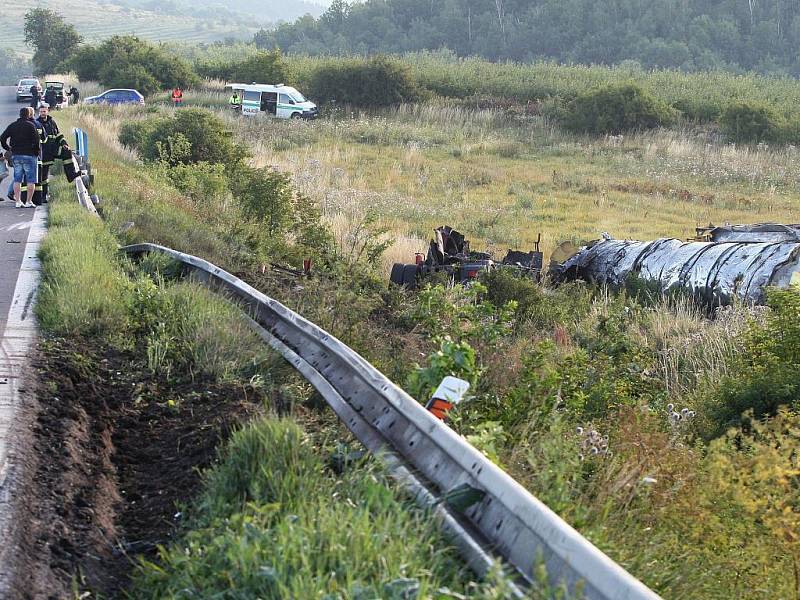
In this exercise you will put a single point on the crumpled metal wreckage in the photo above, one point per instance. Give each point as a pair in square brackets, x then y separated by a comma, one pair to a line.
[736, 262]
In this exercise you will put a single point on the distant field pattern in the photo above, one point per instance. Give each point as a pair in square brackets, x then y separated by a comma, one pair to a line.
[97, 20]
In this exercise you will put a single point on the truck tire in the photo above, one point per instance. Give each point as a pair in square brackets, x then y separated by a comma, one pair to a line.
[410, 277]
[396, 276]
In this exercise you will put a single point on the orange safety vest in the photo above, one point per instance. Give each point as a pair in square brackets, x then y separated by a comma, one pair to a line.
[177, 95]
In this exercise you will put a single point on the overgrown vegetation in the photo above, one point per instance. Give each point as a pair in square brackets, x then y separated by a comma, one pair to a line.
[379, 81]
[310, 528]
[579, 392]
[616, 110]
[746, 122]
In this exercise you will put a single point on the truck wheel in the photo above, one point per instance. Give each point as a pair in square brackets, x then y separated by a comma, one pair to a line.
[410, 276]
[396, 277]
[296, 115]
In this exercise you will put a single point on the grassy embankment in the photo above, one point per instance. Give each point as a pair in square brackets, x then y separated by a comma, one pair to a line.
[273, 519]
[665, 502]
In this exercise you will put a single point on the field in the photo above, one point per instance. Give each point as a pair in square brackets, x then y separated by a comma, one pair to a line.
[96, 20]
[503, 180]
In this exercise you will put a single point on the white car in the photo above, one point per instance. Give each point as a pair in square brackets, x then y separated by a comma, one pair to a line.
[24, 88]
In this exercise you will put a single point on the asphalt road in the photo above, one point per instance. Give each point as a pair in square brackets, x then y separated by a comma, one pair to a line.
[14, 222]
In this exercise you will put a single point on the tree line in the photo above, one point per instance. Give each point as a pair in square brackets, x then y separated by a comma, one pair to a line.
[120, 61]
[736, 35]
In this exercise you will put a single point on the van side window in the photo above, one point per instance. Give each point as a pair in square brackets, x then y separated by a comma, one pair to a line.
[252, 96]
[285, 99]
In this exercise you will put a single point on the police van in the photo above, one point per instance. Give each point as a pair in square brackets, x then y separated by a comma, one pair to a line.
[281, 101]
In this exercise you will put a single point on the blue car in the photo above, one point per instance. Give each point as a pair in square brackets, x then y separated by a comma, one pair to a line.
[116, 97]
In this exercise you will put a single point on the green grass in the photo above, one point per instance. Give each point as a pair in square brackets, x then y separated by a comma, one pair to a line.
[276, 522]
[83, 288]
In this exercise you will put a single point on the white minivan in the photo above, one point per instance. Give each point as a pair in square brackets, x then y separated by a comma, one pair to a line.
[281, 101]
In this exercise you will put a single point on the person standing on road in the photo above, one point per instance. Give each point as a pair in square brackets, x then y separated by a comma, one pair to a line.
[36, 96]
[25, 146]
[52, 141]
[50, 97]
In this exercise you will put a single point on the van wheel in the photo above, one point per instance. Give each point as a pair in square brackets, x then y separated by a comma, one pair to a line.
[296, 115]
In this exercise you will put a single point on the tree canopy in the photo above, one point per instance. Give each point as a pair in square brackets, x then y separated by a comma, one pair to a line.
[53, 40]
[685, 34]
[128, 62]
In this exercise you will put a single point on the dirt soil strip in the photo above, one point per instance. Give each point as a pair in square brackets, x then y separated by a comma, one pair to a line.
[19, 333]
[117, 450]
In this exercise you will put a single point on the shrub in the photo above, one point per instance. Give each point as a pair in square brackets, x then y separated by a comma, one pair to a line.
[379, 81]
[128, 62]
[190, 136]
[746, 122]
[765, 371]
[615, 109]
[700, 110]
[264, 67]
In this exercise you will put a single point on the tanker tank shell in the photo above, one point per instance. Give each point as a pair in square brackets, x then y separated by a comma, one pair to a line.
[713, 272]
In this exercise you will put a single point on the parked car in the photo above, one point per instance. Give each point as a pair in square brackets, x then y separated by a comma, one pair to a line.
[55, 90]
[116, 97]
[24, 88]
[280, 101]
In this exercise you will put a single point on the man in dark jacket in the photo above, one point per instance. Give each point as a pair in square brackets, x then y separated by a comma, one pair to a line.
[51, 97]
[36, 96]
[22, 138]
[52, 140]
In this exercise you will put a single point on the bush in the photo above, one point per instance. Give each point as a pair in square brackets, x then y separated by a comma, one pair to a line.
[764, 375]
[128, 62]
[378, 81]
[746, 122]
[190, 136]
[700, 110]
[615, 109]
[264, 67]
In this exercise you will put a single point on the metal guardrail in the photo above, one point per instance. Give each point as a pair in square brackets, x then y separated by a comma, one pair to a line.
[81, 142]
[508, 521]
[421, 452]
[81, 158]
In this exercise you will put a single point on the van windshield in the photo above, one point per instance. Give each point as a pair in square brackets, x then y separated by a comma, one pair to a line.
[297, 96]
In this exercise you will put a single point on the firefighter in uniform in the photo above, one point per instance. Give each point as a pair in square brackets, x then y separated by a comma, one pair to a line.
[52, 142]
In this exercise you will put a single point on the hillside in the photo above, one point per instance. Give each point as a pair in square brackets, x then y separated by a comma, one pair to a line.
[163, 21]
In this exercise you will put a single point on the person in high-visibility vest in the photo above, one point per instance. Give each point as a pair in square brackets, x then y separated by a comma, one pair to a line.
[177, 96]
[235, 101]
[52, 140]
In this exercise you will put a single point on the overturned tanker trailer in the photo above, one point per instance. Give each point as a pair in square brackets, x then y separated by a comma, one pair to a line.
[715, 273]
[757, 232]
